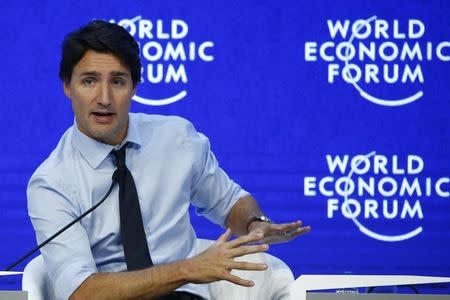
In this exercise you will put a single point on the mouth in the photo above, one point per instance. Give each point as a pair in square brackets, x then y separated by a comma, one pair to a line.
[103, 117]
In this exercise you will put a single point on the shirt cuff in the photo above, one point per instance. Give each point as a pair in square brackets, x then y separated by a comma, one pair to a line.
[70, 279]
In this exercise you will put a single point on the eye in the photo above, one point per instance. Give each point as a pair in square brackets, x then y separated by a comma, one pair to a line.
[118, 82]
[88, 81]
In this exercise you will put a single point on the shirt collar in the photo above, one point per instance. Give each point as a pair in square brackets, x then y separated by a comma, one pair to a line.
[94, 151]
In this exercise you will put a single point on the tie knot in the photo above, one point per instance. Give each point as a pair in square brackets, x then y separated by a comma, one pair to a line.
[120, 156]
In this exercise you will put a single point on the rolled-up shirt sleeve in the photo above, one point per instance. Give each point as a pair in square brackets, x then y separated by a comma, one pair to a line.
[68, 258]
[213, 193]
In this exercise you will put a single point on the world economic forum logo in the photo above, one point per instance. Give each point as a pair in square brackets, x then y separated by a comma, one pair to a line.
[165, 52]
[382, 195]
[373, 53]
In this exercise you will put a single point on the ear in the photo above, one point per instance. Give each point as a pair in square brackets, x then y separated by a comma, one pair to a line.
[66, 88]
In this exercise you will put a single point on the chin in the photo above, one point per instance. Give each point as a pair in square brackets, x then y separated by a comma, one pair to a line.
[101, 135]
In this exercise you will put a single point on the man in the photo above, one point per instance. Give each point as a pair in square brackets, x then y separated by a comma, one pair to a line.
[139, 244]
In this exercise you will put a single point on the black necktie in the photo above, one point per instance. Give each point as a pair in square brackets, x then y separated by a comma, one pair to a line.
[134, 240]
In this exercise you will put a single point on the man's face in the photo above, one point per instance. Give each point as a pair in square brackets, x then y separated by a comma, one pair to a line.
[100, 91]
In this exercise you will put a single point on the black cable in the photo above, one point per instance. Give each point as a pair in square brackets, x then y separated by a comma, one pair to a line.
[62, 230]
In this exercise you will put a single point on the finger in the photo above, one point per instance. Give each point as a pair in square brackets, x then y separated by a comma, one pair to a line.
[289, 235]
[282, 237]
[239, 281]
[243, 250]
[269, 229]
[245, 239]
[300, 230]
[293, 224]
[286, 226]
[243, 265]
[225, 236]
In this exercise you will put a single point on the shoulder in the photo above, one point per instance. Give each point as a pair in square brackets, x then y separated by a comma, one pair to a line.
[159, 121]
[58, 163]
[160, 126]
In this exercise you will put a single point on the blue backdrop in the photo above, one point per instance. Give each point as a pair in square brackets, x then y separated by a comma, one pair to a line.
[309, 105]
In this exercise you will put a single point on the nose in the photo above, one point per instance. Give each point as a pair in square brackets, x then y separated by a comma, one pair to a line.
[104, 94]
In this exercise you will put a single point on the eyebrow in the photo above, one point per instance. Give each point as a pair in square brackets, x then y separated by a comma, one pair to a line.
[119, 73]
[90, 73]
[113, 73]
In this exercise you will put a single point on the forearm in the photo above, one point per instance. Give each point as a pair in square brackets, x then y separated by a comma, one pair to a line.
[239, 216]
[144, 284]
[213, 264]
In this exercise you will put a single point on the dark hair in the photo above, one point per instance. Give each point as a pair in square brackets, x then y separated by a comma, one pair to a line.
[104, 37]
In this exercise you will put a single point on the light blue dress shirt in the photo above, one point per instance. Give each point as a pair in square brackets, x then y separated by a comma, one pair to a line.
[172, 166]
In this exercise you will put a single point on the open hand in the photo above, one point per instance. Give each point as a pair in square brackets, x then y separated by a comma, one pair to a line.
[216, 262]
